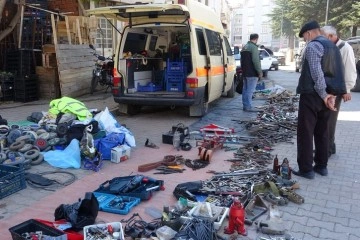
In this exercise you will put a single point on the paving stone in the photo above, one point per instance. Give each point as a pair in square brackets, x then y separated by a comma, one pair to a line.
[347, 230]
[313, 231]
[316, 208]
[326, 234]
[321, 224]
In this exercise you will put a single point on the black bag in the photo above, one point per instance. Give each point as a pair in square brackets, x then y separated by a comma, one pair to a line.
[77, 131]
[187, 190]
[239, 86]
[3, 121]
[79, 214]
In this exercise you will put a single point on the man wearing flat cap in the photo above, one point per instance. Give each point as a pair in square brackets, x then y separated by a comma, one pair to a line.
[321, 79]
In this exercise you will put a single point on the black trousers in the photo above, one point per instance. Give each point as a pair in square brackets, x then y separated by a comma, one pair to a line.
[313, 120]
[332, 125]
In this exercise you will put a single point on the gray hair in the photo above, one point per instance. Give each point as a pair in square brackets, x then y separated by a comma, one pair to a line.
[329, 30]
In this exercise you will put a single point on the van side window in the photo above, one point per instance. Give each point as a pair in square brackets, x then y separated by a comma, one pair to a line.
[214, 42]
[228, 48]
[201, 41]
[135, 42]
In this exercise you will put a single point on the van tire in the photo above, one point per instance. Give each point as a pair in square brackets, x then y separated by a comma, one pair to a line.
[199, 110]
[129, 109]
[231, 92]
[133, 109]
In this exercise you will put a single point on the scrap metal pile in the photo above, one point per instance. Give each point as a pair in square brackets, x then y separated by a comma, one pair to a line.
[250, 180]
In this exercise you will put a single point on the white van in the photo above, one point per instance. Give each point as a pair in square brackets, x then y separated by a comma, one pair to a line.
[170, 55]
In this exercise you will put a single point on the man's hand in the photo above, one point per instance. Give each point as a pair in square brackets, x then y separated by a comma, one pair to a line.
[329, 101]
[346, 97]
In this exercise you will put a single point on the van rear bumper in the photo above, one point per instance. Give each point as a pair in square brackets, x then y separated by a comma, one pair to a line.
[165, 100]
[153, 101]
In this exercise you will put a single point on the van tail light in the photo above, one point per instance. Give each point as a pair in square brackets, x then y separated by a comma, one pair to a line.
[117, 78]
[116, 82]
[191, 82]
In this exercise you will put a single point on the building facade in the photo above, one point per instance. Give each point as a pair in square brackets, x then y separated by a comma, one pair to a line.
[252, 17]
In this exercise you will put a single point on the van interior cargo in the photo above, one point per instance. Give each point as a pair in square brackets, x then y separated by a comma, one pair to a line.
[156, 58]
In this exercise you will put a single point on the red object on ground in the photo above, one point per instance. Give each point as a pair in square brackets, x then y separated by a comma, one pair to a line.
[236, 219]
[216, 129]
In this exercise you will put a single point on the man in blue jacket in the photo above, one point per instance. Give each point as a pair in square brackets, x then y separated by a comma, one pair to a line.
[251, 71]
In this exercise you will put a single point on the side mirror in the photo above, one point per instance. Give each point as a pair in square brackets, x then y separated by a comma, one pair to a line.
[236, 50]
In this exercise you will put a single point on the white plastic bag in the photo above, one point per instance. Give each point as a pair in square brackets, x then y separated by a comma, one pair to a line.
[108, 123]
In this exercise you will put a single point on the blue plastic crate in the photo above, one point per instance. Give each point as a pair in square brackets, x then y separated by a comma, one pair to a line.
[116, 204]
[175, 67]
[150, 87]
[12, 179]
[175, 78]
[174, 87]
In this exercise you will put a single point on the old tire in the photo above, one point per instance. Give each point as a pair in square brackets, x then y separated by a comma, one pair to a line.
[31, 154]
[16, 145]
[39, 159]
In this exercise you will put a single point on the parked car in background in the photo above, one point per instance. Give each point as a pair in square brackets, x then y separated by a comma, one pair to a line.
[280, 57]
[299, 60]
[265, 59]
[274, 64]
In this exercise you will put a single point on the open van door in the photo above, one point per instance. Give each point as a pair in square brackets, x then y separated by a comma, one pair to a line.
[137, 14]
[214, 64]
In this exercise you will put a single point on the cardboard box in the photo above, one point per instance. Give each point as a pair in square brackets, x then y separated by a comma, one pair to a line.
[120, 153]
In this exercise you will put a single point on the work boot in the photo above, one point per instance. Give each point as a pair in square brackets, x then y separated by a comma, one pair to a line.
[321, 170]
[308, 175]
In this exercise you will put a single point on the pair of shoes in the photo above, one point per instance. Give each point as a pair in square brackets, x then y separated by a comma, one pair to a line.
[149, 144]
[250, 110]
[308, 175]
[321, 170]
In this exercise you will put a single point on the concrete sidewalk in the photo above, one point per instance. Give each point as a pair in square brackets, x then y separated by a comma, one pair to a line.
[331, 210]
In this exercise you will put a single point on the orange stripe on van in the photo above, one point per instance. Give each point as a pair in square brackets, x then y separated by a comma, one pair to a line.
[217, 70]
[231, 68]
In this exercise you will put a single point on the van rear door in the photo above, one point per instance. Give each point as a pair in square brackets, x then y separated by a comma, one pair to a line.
[139, 14]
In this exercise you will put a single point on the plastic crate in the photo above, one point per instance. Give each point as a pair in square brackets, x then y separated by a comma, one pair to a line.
[175, 78]
[12, 179]
[109, 203]
[175, 67]
[116, 226]
[150, 87]
[174, 87]
[32, 226]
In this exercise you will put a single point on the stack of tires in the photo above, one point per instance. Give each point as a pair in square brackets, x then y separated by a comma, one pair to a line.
[24, 145]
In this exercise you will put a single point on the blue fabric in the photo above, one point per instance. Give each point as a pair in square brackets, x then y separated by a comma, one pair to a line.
[105, 144]
[67, 158]
[248, 90]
